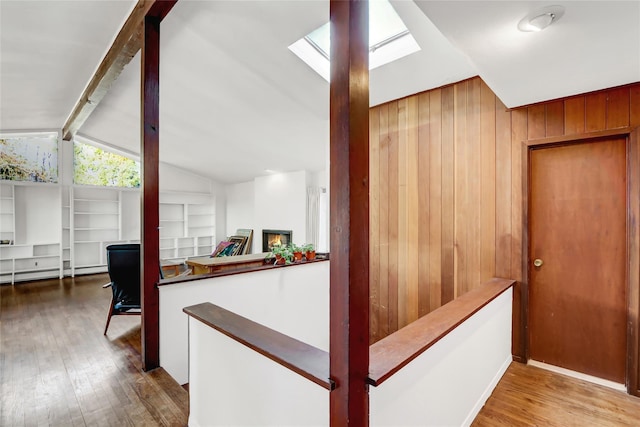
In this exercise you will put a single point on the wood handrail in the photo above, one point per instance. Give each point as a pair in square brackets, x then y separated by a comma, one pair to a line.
[304, 359]
[389, 355]
[269, 266]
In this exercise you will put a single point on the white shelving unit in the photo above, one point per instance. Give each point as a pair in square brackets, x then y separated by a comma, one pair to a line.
[28, 262]
[186, 229]
[7, 218]
[57, 230]
[96, 222]
[66, 230]
[35, 249]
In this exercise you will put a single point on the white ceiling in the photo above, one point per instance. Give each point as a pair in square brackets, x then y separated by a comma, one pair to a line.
[235, 101]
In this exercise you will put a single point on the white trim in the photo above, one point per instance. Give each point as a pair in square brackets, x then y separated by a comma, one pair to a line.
[578, 375]
[487, 392]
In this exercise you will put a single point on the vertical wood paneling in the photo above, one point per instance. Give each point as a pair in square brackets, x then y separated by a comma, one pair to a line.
[634, 105]
[383, 223]
[403, 130]
[595, 111]
[449, 190]
[554, 118]
[487, 184]
[518, 136]
[574, 115]
[424, 208]
[374, 223]
[537, 127]
[448, 267]
[435, 199]
[474, 178]
[618, 108]
[393, 216]
[503, 191]
[461, 184]
[413, 232]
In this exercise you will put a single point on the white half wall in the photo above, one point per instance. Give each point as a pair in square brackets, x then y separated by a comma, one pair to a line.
[232, 385]
[449, 383]
[293, 300]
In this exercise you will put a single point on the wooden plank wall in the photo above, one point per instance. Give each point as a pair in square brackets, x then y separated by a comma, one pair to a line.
[446, 190]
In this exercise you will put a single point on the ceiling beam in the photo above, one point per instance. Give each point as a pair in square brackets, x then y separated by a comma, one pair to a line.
[125, 46]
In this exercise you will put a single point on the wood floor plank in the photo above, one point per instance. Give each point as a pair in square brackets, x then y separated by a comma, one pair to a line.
[530, 396]
[57, 368]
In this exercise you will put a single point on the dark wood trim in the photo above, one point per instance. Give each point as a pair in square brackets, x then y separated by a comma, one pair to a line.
[150, 155]
[573, 138]
[304, 359]
[125, 46]
[633, 239]
[349, 173]
[269, 266]
[633, 266]
[395, 351]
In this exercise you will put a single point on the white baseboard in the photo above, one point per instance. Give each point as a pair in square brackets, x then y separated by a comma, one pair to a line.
[487, 392]
[578, 375]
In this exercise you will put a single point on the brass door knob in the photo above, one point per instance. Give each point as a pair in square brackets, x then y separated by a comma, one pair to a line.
[537, 262]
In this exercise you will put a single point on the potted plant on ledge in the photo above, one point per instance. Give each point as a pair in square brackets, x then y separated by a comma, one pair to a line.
[309, 251]
[297, 252]
[282, 254]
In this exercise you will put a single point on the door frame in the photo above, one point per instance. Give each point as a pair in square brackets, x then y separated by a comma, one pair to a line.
[632, 138]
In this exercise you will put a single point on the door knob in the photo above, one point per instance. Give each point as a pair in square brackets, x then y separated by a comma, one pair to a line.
[537, 262]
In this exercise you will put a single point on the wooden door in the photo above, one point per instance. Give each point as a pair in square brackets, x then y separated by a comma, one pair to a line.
[577, 306]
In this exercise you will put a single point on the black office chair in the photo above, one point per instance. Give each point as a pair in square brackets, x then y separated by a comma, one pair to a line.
[123, 263]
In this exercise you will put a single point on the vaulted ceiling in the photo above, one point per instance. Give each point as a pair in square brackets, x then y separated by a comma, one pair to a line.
[235, 101]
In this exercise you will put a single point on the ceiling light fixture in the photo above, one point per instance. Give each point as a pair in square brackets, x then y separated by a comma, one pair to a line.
[540, 19]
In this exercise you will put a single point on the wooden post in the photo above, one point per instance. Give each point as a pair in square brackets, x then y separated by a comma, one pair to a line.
[349, 156]
[150, 155]
[150, 150]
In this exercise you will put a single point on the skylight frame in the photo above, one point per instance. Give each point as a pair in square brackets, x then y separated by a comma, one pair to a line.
[388, 47]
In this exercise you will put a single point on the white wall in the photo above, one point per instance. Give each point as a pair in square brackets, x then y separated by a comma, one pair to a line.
[41, 205]
[281, 204]
[176, 179]
[293, 300]
[241, 210]
[277, 201]
[232, 385]
[449, 383]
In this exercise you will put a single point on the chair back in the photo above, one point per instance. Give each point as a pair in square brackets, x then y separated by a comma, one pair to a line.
[123, 263]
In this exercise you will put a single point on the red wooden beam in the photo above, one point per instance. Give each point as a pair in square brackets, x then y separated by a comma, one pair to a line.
[150, 155]
[150, 195]
[349, 153]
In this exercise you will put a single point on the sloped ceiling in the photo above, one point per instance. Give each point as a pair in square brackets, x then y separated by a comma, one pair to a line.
[235, 101]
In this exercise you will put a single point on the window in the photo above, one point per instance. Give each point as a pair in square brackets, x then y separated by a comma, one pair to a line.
[95, 166]
[29, 157]
[389, 40]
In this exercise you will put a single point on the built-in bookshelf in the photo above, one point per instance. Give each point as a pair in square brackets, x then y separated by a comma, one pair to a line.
[29, 245]
[97, 221]
[186, 229]
[7, 218]
[53, 230]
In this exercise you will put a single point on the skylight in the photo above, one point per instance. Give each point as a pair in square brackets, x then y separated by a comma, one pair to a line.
[389, 39]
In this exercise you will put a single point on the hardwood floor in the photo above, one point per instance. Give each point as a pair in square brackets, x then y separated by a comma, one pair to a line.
[56, 367]
[530, 396]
